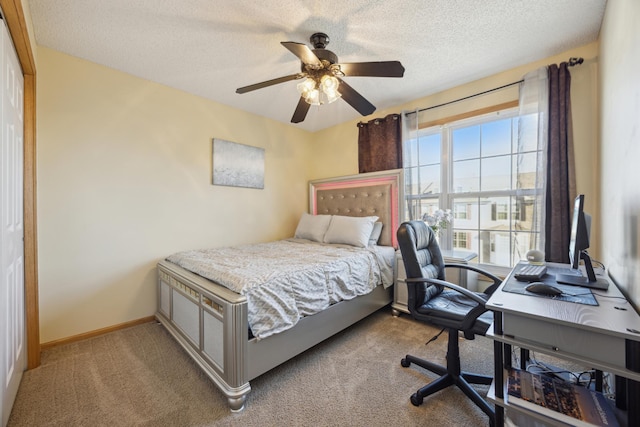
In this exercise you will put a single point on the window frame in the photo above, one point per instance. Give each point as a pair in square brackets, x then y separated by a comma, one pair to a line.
[446, 197]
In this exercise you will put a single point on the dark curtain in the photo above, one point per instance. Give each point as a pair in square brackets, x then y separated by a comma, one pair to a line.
[380, 144]
[560, 166]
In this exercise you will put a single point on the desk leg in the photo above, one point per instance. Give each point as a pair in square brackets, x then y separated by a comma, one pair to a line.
[633, 414]
[498, 380]
[632, 357]
[621, 393]
[498, 364]
[525, 354]
[599, 380]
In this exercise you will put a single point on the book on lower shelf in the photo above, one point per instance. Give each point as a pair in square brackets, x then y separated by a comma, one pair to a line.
[558, 399]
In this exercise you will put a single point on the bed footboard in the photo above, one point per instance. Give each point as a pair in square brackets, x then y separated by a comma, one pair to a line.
[210, 322]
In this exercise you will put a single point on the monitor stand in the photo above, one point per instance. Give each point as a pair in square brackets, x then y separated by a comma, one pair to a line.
[591, 281]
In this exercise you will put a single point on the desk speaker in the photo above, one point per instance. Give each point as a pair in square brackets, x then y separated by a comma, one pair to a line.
[535, 256]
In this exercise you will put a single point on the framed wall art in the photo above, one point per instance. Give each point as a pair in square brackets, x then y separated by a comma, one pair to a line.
[237, 165]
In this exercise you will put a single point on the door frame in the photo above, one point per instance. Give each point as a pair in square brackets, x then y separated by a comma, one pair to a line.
[14, 17]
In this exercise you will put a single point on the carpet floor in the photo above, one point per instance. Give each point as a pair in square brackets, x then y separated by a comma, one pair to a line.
[140, 376]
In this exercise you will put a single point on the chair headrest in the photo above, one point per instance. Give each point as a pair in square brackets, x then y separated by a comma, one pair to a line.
[420, 250]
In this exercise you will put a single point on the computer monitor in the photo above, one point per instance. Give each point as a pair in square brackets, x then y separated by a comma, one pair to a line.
[578, 246]
[579, 233]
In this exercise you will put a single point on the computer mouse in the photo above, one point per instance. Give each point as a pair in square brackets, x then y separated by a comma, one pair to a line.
[543, 289]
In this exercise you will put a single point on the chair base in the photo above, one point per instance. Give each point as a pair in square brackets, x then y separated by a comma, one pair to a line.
[451, 375]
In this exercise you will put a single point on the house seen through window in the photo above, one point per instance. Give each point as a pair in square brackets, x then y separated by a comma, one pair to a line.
[478, 168]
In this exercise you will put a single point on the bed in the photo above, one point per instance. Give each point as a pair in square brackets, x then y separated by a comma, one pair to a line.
[214, 323]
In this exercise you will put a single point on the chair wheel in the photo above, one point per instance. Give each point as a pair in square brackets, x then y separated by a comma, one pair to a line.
[416, 400]
[405, 363]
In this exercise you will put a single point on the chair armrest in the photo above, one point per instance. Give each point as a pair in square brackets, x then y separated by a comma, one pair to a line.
[496, 280]
[466, 292]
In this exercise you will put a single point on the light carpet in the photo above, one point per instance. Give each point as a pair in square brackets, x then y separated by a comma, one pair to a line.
[140, 376]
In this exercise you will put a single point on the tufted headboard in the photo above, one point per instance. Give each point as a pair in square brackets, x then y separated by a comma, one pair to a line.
[367, 194]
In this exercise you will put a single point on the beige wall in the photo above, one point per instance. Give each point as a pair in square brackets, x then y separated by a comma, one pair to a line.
[124, 179]
[620, 147]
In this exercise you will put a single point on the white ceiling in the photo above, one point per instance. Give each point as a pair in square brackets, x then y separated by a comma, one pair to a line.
[211, 47]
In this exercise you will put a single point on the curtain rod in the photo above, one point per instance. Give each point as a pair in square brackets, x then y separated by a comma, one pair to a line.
[572, 62]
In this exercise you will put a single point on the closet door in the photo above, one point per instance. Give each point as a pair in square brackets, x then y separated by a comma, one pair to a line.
[12, 312]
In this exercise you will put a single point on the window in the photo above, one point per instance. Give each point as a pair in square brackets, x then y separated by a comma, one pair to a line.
[499, 211]
[479, 169]
[459, 240]
[460, 211]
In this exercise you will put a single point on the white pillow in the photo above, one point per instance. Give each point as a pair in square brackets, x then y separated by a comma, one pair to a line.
[375, 234]
[312, 227]
[350, 230]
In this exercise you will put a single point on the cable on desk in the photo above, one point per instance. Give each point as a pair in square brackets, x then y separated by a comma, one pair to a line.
[577, 295]
[595, 261]
[612, 297]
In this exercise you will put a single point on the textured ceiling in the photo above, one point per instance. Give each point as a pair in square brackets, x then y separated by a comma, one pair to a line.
[210, 48]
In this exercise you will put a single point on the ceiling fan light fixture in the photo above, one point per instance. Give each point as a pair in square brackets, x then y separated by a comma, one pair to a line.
[313, 97]
[318, 91]
[308, 89]
[306, 86]
[329, 83]
[332, 96]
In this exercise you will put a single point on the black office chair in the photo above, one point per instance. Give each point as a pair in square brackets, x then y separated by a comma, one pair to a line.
[431, 299]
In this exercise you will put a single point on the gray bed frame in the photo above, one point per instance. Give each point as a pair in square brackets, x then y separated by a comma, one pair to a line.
[210, 321]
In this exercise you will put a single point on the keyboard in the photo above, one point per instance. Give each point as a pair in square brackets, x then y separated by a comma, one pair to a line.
[530, 273]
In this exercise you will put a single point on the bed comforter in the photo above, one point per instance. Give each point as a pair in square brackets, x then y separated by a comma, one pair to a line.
[288, 279]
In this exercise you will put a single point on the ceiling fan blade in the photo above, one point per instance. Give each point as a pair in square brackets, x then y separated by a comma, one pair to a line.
[373, 69]
[301, 111]
[249, 88]
[353, 98]
[303, 52]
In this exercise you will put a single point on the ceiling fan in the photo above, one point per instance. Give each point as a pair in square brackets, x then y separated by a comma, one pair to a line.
[322, 74]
